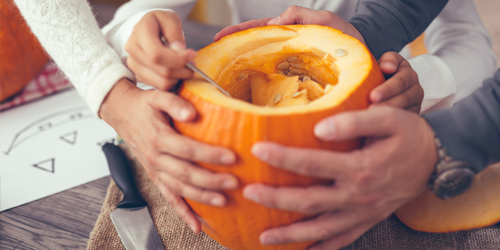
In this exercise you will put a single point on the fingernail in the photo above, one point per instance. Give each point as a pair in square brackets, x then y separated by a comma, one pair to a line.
[192, 227]
[217, 201]
[273, 21]
[177, 46]
[230, 184]
[253, 196]
[260, 152]
[184, 113]
[377, 96]
[325, 130]
[227, 159]
[268, 241]
[388, 66]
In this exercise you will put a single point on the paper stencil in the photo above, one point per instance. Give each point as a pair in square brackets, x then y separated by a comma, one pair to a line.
[49, 146]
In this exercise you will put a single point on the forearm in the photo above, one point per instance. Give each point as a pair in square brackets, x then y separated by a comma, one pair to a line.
[388, 25]
[470, 130]
[70, 35]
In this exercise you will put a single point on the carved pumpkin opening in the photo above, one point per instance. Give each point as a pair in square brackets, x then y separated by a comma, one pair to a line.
[294, 79]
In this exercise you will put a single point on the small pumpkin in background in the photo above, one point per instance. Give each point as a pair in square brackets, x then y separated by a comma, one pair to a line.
[283, 80]
[22, 56]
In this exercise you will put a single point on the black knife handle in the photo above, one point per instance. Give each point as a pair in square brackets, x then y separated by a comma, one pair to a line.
[121, 172]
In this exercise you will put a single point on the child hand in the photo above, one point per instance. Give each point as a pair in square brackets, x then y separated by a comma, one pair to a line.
[140, 118]
[401, 89]
[152, 62]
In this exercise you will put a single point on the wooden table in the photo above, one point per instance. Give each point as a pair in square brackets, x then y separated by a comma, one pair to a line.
[60, 221]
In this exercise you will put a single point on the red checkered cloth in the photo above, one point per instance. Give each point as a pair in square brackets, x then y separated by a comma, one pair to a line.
[50, 80]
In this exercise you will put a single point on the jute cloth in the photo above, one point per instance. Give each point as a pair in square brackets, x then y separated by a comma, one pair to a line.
[175, 234]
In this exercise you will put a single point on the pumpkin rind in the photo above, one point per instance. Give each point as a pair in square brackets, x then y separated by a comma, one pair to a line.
[22, 56]
[237, 125]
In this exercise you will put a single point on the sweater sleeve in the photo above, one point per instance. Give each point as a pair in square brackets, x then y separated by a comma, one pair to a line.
[388, 25]
[460, 56]
[470, 130]
[69, 33]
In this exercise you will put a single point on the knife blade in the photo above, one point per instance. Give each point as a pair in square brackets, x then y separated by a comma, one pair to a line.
[191, 66]
[131, 217]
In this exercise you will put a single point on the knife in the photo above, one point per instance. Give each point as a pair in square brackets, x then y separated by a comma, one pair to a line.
[197, 70]
[131, 217]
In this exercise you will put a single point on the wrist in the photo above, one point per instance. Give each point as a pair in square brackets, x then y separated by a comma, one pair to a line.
[117, 98]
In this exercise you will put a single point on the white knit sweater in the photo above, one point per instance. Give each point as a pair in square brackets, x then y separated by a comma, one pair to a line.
[69, 33]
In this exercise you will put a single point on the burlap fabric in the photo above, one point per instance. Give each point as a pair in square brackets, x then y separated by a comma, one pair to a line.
[175, 234]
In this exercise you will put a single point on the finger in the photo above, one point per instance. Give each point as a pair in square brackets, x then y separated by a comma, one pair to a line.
[171, 28]
[187, 191]
[319, 228]
[175, 106]
[376, 121]
[343, 239]
[180, 207]
[411, 97]
[192, 150]
[389, 62]
[402, 80]
[300, 15]
[308, 200]
[193, 175]
[150, 77]
[156, 54]
[310, 162]
[239, 27]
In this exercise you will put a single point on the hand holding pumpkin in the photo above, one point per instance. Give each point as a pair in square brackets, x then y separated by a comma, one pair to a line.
[140, 117]
[297, 15]
[402, 88]
[391, 169]
[150, 60]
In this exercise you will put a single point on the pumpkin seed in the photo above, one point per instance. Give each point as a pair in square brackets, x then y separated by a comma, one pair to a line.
[286, 71]
[281, 73]
[292, 58]
[290, 74]
[302, 75]
[298, 65]
[277, 98]
[296, 94]
[306, 78]
[297, 71]
[340, 52]
[243, 76]
[283, 65]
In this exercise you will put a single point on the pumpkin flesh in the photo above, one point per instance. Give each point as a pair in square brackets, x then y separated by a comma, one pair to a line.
[251, 57]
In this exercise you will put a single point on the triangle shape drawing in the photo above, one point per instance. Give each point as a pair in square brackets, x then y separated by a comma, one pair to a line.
[47, 165]
[69, 137]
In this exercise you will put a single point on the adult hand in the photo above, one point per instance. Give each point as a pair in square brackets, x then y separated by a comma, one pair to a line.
[152, 62]
[402, 88]
[297, 15]
[140, 118]
[391, 169]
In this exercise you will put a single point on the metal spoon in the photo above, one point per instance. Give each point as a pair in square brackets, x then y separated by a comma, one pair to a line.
[195, 69]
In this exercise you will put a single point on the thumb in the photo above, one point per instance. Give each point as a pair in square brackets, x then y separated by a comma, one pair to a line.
[376, 121]
[175, 106]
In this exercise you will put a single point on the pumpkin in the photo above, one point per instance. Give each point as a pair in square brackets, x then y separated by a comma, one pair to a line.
[333, 73]
[22, 55]
[477, 207]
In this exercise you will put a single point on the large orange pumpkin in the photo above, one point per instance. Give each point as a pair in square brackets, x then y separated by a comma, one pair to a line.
[251, 65]
[22, 56]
